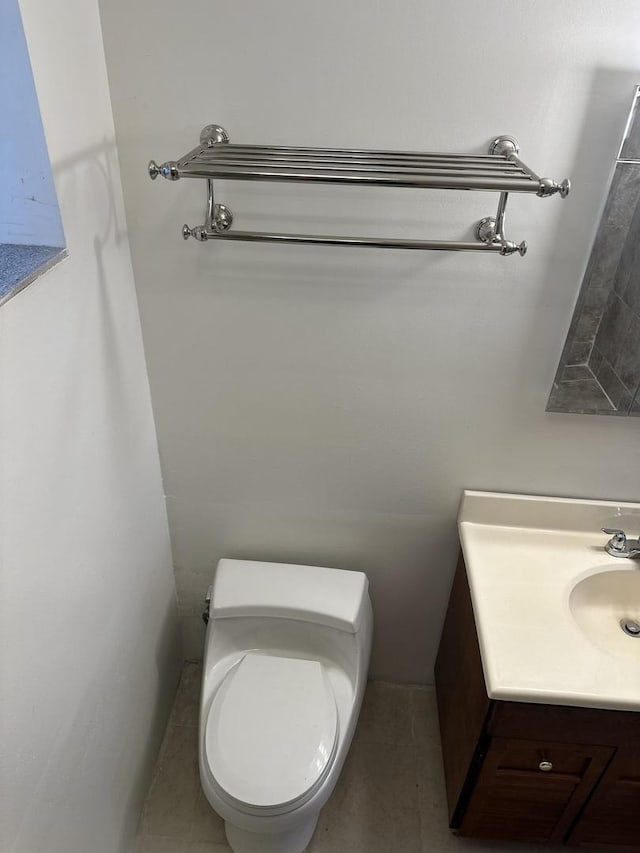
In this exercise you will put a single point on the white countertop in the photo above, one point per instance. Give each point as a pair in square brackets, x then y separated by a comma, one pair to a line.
[524, 555]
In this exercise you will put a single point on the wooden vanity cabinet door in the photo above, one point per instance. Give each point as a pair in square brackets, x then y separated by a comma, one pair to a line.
[514, 798]
[611, 818]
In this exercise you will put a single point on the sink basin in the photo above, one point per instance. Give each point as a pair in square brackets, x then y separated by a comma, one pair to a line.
[601, 601]
[548, 599]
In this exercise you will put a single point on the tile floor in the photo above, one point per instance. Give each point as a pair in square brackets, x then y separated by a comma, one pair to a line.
[389, 799]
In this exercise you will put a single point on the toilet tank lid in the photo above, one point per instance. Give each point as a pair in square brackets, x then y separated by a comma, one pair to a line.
[332, 597]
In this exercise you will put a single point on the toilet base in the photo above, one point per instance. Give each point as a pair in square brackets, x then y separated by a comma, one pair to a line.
[292, 840]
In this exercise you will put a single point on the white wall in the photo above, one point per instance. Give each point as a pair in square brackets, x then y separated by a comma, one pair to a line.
[28, 206]
[329, 405]
[87, 603]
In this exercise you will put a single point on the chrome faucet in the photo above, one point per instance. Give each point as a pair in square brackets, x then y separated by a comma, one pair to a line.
[619, 545]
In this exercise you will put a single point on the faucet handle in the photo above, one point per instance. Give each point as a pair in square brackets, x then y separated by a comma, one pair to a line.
[618, 541]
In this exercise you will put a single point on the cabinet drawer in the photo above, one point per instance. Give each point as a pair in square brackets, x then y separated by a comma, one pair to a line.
[531, 790]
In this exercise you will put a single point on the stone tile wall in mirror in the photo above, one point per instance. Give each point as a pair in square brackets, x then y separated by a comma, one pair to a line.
[599, 370]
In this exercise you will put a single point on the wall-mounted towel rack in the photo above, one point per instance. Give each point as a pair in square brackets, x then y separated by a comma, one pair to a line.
[501, 170]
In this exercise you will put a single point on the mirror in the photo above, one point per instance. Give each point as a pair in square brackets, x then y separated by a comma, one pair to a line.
[599, 370]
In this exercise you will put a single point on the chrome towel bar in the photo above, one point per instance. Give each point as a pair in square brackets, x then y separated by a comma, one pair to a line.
[501, 170]
[372, 242]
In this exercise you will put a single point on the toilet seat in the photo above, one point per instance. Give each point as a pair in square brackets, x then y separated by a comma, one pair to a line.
[271, 733]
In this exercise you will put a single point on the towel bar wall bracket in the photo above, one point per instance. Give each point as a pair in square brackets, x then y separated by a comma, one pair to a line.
[500, 170]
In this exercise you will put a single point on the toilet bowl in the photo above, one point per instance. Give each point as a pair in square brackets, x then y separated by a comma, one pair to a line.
[285, 668]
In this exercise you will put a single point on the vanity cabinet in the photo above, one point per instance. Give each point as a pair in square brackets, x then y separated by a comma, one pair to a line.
[525, 771]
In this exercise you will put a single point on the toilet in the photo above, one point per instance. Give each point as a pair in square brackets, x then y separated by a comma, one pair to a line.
[285, 667]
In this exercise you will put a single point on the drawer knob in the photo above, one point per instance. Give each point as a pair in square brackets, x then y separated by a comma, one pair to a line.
[545, 766]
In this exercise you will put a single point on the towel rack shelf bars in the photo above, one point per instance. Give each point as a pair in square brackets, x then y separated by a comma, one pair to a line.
[501, 170]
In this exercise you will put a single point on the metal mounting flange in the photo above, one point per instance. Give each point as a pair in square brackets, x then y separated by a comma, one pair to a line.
[504, 145]
[222, 221]
[486, 232]
[213, 134]
[222, 218]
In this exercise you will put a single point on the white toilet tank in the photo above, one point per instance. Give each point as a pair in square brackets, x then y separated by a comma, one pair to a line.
[330, 597]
